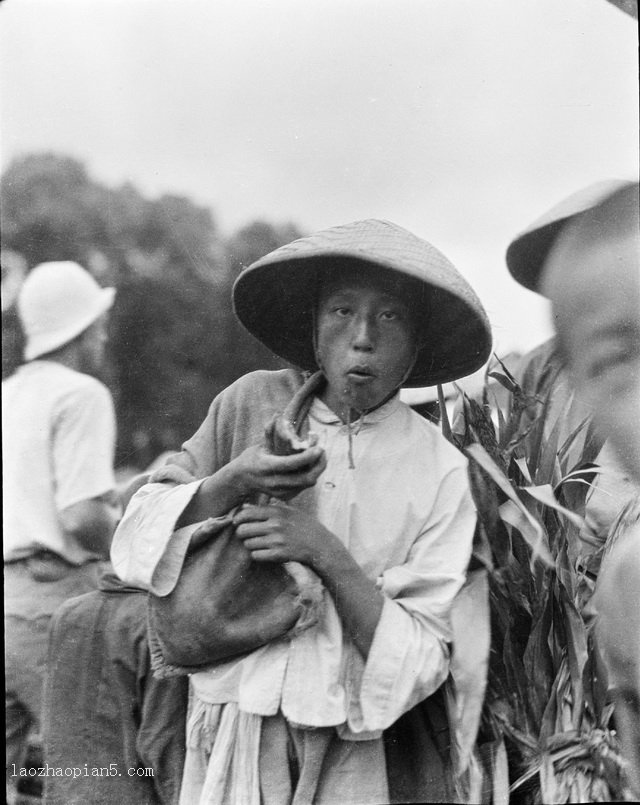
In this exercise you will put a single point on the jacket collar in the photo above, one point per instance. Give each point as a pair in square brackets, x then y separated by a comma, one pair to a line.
[321, 412]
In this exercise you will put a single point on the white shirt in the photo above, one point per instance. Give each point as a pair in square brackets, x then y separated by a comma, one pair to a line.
[58, 431]
[405, 513]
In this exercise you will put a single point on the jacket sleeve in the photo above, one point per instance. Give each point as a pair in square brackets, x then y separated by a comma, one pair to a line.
[409, 657]
[147, 550]
[146, 537]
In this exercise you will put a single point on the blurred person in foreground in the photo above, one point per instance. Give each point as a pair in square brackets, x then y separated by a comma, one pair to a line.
[592, 276]
[59, 505]
[103, 708]
[550, 392]
[379, 508]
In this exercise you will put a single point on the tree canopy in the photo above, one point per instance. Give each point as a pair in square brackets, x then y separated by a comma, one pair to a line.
[175, 342]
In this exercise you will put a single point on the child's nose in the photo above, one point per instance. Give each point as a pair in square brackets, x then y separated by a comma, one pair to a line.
[364, 335]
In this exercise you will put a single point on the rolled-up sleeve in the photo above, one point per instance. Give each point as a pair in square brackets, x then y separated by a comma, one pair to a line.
[147, 550]
[409, 655]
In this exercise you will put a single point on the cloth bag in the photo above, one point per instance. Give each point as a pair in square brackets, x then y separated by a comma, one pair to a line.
[224, 604]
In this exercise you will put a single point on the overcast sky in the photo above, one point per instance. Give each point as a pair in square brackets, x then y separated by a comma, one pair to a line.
[462, 121]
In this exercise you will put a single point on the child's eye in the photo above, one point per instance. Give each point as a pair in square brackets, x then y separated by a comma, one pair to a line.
[342, 311]
[389, 315]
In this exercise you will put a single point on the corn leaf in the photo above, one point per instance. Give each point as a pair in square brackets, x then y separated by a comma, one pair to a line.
[502, 423]
[476, 781]
[549, 788]
[516, 515]
[587, 451]
[582, 474]
[481, 549]
[524, 469]
[518, 683]
[531, 772]
[508, 374]
[548, 466]
[445, 425]
[538, 660]
[469, 787]
[542, 702]
[510, 385]
[576, 636]
[545, 495]
[573, 488]
[550, 717]
[535, 437]
[571, 438]
[520, 518]
[564, 571]
[500, 776]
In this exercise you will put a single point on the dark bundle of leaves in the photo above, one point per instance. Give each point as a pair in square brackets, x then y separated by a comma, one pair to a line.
[546, 732]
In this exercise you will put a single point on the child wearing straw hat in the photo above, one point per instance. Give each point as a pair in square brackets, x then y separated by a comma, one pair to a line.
[379, 508]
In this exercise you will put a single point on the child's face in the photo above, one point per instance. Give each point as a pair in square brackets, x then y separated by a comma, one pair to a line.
[365, 341]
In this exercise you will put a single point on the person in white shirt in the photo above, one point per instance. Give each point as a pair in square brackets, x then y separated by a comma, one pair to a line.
[379, 508]
[59, 504]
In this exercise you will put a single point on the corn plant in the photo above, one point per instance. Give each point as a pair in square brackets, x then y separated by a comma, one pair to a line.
[546, 732]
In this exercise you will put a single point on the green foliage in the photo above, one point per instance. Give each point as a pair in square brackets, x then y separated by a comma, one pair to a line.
[545, 719]
[48, 209]
[257, 239]
[175, 342]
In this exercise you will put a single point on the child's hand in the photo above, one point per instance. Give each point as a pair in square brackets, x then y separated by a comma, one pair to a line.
[280, 533]
[282, 477]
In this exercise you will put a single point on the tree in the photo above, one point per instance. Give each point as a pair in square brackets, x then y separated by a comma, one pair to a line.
[257, 239]
[49, 209]
[244, 247]
[175, 341]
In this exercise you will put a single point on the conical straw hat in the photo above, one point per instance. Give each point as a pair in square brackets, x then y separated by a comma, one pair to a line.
[528, 251]
[275, 297]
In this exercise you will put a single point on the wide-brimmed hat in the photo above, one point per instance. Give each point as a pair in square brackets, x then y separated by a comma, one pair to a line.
[275, 297]
[57, 302]
[527, 253]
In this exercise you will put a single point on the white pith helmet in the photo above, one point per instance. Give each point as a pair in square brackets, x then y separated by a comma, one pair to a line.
[57, 302]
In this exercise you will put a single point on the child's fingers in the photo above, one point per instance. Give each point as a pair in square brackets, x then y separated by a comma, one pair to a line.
[298, 461]
[266, 555]
[251, 514]
[252, 529]
[256, 544]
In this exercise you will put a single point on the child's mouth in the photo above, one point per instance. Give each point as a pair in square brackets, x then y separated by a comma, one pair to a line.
[360, 374]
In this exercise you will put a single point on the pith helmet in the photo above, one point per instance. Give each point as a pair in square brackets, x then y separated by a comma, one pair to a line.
[57, 302]
[275, 297]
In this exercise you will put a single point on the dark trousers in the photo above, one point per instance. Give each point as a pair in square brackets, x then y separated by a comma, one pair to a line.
[104, 712]
[34, 589]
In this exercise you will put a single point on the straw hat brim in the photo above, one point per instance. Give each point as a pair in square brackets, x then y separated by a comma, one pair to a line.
[275, 300]
[527, 253]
